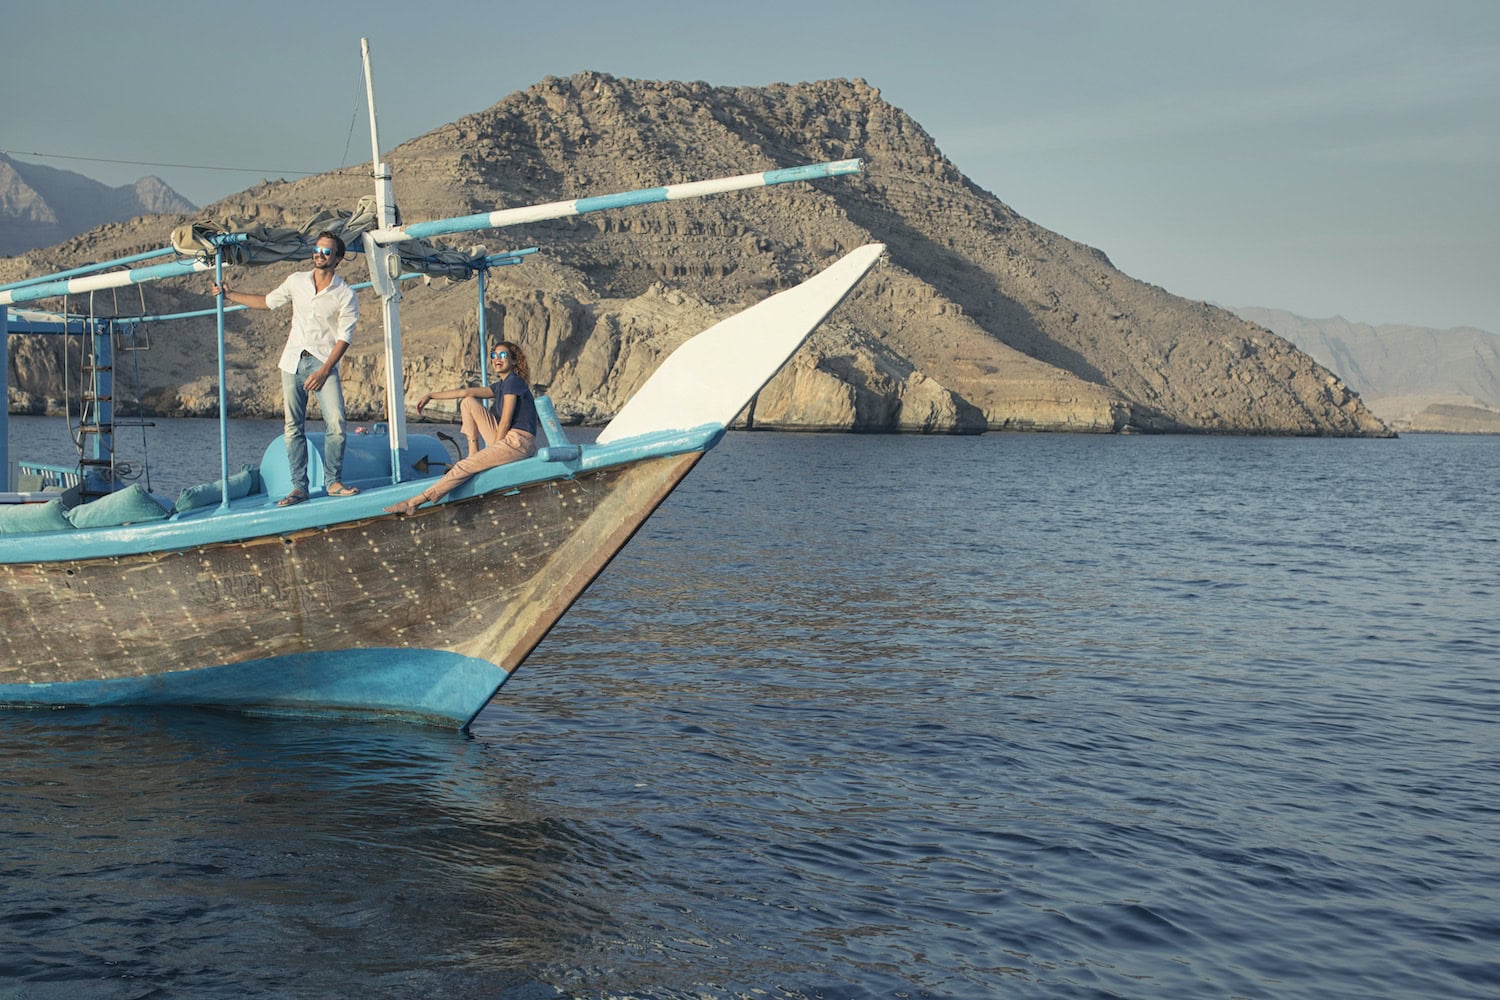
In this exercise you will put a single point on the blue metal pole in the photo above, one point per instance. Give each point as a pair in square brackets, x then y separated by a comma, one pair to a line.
[484, 351]
[223, 389]
[101, 386]
[5, 398]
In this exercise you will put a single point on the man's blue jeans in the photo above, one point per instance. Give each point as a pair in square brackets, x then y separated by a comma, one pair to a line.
[331, 403]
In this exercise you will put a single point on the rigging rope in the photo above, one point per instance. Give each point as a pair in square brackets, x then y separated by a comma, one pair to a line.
[353, 118]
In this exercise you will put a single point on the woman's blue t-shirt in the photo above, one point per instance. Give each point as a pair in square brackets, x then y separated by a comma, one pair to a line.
[524, 417]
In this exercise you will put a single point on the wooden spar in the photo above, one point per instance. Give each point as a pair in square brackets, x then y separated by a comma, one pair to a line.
[494, 260]
[99, 282]
[375, 164]
[458, 224]
[379, 259]
[134, 258]
[32, 318]
[623, 199]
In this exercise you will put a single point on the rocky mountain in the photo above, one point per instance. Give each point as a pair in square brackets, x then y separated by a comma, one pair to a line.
[1413, 378]
[41, 206]
[979, 319]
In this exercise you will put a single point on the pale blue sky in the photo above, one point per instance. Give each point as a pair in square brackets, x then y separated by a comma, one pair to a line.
[1338, 157]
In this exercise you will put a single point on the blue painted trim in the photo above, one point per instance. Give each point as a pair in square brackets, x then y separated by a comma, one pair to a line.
[625, 199]
[812, 171]
[21, 324]
[558, 448]
[412, 684]
[442, 227]
[552, 428]
[257, 516]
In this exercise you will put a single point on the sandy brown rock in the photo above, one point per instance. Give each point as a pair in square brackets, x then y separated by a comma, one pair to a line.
[1449, 418]
[978, 319]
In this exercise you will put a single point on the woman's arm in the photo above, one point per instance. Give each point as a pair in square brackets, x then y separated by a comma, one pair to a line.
[507, 412]
[468, 390]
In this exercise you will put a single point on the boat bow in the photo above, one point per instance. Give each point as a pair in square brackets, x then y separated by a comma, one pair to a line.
[712, 377]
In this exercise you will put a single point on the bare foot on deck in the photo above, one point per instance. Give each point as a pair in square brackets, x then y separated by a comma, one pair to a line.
[405, 506]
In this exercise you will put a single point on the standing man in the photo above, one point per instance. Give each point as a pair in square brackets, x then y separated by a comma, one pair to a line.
[324, 310]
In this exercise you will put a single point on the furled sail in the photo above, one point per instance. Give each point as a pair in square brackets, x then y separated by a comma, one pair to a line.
[257, 243]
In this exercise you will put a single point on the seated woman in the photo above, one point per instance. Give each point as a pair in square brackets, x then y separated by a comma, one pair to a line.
[509, 432]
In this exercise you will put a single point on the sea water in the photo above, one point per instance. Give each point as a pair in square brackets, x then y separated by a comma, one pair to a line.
[1009, 715]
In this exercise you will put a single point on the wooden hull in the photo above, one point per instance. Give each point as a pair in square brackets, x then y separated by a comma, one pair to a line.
[421, 617]
[334, 607]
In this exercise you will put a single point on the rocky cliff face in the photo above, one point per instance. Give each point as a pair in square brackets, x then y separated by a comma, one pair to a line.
[979, 318]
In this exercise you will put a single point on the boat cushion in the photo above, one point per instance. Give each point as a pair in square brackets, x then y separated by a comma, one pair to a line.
[126, 506]
[33, 518]
[241, 484]
[367, 460]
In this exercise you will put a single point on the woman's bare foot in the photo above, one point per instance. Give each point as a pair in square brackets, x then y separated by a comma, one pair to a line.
[405, 506]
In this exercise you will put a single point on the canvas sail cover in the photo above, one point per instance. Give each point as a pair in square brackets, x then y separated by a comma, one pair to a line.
[259, 243]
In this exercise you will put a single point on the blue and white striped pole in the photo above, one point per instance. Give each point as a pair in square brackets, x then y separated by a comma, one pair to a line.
[461, 224]
[51, 287]
[91, 268]
[99, 282]
[624, 199]
[484, 346]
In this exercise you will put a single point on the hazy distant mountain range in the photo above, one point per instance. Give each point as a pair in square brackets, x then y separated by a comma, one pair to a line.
[42, 206]
[1411, 377]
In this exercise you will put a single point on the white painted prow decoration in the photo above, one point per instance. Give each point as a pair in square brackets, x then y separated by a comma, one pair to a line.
[711, 378]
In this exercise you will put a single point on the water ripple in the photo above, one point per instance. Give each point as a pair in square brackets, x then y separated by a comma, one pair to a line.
[1041, 716]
